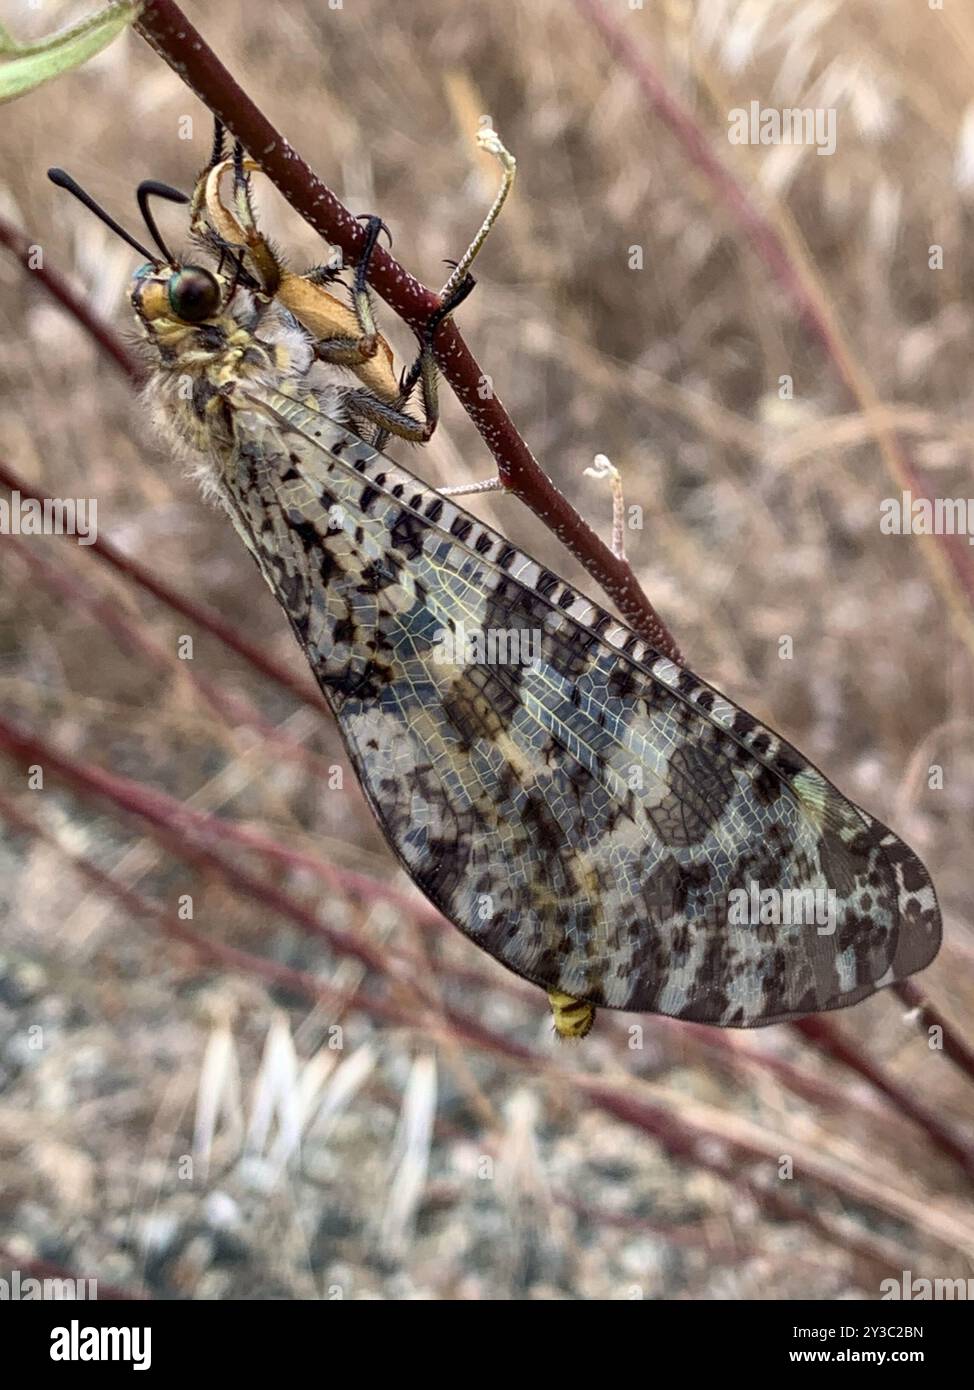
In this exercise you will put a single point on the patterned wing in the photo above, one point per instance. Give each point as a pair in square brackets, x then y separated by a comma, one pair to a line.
[598, 819]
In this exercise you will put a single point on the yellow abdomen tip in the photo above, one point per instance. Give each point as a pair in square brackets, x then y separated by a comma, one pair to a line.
[572, 1017]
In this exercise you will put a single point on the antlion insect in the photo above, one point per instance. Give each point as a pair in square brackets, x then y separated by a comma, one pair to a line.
[600, 820]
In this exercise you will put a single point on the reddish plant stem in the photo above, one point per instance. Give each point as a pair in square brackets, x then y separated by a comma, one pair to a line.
[684, 1141]
[368, 889]
[176, 816]
[738, 1055]
[170, 34]
[200, 837]
[954, 1046]
[47, 1269]
[191, 837]
[761, 236]
[56, 285]
[233, 710]
[764, 238]
[182, 830]
[829, 1040]
[214, 953]
[163, 25]
[681, 1142]
[197, 613]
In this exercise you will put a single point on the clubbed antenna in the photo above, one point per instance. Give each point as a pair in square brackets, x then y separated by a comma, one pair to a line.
[152, 188]
[63, 180]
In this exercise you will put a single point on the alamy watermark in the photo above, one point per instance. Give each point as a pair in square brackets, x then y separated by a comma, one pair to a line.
[913, 1290]
[800, 907]
[18, 1289]
[492, 646]
[907, 515]
[76, 1342]
[50, 516]
[792, 125]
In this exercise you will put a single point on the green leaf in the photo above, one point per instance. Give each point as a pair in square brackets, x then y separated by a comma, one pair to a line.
[24, 66]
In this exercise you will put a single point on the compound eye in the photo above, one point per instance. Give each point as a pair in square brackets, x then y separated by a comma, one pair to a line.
[194, 294]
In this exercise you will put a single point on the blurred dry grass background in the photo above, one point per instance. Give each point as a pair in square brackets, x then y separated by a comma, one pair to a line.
[427, 1170]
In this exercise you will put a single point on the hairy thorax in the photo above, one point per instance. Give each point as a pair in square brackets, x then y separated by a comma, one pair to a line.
[204, 378]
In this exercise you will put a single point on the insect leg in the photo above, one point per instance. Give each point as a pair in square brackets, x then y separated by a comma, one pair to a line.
[488, 140]
[197, 211]
[467, 489]
[601, 468]
[424, 371]
[388, 418]
[347, 351]
[457, 287]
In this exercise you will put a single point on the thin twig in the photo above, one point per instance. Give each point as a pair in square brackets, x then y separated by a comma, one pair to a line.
[163, 25]
[235, 710]
[171, 35]
[684, 1140]
[182, 830]
[827, 1038]
[197, 613]
[192, 837]
[948, 559]
[954, 1046]
[56, 285]
[47, 1269]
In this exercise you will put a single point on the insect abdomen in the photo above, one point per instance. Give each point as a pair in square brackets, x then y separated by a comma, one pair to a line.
[573, 1018]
